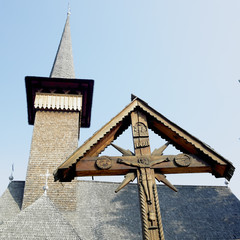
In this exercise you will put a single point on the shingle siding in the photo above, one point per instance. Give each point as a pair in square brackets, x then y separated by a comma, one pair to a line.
[55, 137]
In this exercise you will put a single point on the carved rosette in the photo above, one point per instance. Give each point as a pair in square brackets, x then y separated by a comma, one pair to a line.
[104, 163]
[182, 160]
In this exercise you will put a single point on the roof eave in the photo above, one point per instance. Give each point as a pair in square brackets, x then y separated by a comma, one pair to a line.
[60, 85]
[220, 166]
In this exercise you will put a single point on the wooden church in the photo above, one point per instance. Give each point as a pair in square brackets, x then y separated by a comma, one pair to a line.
[69, 208]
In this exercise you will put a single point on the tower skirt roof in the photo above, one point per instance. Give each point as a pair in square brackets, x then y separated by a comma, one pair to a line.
[83, 87]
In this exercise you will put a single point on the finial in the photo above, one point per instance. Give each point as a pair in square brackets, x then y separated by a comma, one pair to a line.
[45, 187]
[69, 10]
[133, 97]
[11, 176]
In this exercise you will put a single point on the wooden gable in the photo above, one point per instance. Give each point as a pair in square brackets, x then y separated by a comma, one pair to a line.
[208, 159]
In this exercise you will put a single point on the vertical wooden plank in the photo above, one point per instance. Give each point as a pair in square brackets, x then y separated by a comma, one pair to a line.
[150, 211]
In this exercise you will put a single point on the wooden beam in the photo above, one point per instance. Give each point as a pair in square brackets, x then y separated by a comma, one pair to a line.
[101, 145]
[87, 166]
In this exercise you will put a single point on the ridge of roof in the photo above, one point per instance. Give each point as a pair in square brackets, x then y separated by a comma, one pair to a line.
[63, 66]
[162, 126]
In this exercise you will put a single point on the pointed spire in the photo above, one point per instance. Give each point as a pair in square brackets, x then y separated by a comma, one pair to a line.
[63, 64]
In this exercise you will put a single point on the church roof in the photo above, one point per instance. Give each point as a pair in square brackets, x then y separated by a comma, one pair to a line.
[63, 66]
[41, 220]
[194, 212]
[11, 201]
[181, 139]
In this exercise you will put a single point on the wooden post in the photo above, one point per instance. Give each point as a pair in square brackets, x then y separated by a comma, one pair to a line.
[150, 210]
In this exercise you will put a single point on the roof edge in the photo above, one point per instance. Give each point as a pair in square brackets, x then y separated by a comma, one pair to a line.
[60, 85]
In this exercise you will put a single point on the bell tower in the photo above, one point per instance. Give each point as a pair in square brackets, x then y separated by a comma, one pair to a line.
[57, 107]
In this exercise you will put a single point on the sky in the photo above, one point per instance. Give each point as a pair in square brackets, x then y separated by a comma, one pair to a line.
[181, 57]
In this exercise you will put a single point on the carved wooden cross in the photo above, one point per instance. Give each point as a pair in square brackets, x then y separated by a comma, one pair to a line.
[150, 210]
[142, 164]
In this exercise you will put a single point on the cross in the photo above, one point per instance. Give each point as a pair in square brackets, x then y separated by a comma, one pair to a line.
[140, 165]
[69, 10]
[45, 187]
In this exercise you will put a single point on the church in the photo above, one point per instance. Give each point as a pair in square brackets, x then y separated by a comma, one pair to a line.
[53, 204]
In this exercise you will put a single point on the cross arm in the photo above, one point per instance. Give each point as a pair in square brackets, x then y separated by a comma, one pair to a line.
[107, 166]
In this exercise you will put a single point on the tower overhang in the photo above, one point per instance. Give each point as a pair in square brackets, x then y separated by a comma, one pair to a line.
[83, 87]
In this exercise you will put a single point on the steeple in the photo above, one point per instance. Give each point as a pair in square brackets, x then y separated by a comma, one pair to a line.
[63, 64]
[57, 107]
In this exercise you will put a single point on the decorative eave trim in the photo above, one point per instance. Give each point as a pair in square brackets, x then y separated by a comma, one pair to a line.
[83, 87]
[181, 139]
[58, 102]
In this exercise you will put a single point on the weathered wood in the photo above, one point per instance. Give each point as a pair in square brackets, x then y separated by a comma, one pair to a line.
[87, 166]
[98, 148]
[162, 126]
[144, 165]
[151, 219]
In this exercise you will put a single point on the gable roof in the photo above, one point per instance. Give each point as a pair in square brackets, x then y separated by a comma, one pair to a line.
[162, 126]
[41, 220]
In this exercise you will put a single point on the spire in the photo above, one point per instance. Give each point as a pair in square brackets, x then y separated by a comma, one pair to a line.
[63, 64]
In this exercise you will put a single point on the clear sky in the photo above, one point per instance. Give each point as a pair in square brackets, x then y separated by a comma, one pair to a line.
[181, 57]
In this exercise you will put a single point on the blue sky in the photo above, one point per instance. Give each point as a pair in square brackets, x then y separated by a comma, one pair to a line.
[181, 57]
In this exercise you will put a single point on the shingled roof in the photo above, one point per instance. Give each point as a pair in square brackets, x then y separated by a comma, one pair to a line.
[63, 66]
[11, 201]
[194, 212]
[41, 220]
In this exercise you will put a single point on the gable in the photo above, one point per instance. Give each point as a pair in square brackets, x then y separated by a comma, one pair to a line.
[178, 137]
